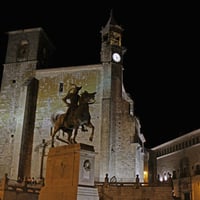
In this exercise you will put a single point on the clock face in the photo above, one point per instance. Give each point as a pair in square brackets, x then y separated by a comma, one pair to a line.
[116, 57]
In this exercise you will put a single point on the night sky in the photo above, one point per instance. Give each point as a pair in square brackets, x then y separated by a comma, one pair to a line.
[160, 66]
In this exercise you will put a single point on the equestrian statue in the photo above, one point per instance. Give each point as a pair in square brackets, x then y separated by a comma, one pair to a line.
[76, 116]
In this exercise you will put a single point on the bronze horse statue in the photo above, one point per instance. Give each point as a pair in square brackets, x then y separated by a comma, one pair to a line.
[58, 119]
[77, 115]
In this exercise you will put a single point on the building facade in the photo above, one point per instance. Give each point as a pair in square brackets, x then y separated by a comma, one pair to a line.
[31, 93]
[179, 160]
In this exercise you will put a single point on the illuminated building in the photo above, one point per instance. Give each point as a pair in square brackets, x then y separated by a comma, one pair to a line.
[180, 159]
[31, 93]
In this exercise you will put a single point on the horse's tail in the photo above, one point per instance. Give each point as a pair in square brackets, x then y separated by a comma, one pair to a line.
[55, 116]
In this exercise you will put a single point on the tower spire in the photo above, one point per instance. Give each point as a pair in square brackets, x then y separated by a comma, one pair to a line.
[111, 20]
[111, 36]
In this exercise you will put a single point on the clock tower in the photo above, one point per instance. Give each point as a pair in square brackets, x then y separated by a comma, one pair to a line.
[111, 36]
[114, 106]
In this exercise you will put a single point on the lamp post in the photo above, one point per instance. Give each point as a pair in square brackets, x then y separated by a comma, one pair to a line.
[44, 144]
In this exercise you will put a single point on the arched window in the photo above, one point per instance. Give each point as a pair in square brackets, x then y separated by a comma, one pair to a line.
[22, 51]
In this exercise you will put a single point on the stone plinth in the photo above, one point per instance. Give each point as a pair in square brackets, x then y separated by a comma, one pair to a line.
[70, 168]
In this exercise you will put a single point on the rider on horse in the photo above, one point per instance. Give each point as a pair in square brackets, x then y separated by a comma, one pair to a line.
[71, 100]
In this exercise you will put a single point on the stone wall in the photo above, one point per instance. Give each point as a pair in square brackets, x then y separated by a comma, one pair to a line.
[10, 190]
[131, 192]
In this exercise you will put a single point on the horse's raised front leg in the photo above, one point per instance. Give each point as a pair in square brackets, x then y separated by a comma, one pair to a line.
[92, 133]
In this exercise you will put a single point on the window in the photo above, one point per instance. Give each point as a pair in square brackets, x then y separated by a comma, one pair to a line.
[61, 87]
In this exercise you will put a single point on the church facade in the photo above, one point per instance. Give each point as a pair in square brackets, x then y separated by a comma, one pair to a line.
[31, 93]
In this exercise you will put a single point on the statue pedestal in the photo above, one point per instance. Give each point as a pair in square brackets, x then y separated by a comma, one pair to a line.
[70, 174]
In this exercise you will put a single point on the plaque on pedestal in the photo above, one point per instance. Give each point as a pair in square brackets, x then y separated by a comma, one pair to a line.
[70, 173]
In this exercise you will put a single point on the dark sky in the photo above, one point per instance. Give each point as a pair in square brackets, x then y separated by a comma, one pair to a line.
[161, 64]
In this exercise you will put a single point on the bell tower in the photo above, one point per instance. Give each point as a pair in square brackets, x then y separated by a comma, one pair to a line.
[27, 50]
[111, 38]
[28, 45]
[112, 61]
